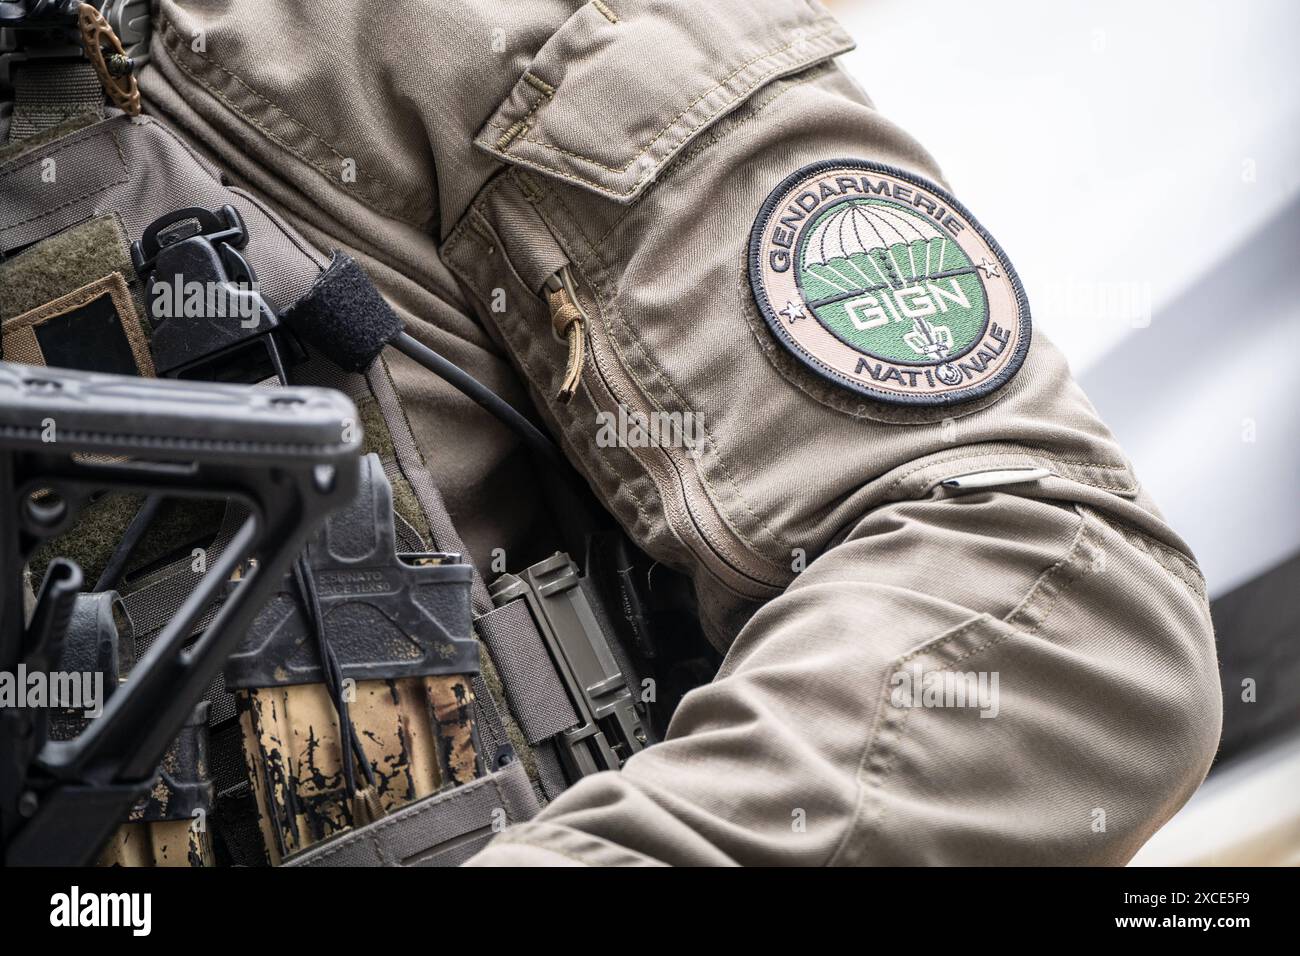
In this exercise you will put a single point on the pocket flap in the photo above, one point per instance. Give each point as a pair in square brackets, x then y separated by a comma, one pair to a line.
[622, 86]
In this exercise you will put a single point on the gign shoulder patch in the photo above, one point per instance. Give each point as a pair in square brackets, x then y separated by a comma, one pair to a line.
[882, 282]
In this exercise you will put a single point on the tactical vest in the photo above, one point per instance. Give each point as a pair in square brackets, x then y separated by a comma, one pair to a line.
[345, 688]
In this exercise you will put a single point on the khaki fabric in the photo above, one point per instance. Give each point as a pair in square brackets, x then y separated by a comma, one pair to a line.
[466, 151]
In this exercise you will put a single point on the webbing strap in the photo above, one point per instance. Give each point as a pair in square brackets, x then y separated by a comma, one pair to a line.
[46, 94]
[444, 829]
[537, 696]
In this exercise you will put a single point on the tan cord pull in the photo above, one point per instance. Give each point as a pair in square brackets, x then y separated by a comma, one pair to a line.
[566, 319]
[116, 72]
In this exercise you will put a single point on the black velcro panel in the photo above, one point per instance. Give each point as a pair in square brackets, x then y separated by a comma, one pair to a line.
[344, 316]
[89, 337]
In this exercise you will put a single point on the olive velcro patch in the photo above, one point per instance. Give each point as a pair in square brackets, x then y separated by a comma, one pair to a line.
[882, 282]
[94, 328]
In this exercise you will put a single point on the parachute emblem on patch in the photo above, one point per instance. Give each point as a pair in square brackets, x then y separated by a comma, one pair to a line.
[882, 282]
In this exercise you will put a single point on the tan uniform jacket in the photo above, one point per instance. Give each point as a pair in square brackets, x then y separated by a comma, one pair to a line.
[464, 152]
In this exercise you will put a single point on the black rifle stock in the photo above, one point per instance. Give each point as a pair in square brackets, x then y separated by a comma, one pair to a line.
[290, 456]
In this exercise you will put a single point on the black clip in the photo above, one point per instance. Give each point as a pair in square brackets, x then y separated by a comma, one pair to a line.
[209, 321]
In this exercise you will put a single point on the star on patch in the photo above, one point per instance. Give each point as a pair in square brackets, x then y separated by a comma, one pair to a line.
[793, 310]
[990, 269]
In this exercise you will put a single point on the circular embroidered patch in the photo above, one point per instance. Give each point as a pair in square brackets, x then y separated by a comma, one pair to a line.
[882, 282]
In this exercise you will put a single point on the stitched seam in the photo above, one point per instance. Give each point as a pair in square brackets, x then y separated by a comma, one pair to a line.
[457, 233]
[501, 797]
[522, 125]
[508, 137]
[539, 84]
[893, 486]
[649, 173]
[1021, 611]
[684, 158]
[76, 199]
[170, 31]
[617, 482]
[67, 128]
[895, 718]
[561, 174]
[451, 796]
[1179, 568]
[482, 229]
[780, 88]
[37, 156]
[472, 221]
[1170, 559]
[651, 170]
[114, 285]
[885, 711]
[314, 255]
[703, 96]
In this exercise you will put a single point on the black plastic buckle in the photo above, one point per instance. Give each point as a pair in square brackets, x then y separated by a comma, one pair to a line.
[209, 321]
[610, 728]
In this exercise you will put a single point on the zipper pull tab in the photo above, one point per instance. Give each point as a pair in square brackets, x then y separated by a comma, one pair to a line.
[569, 322]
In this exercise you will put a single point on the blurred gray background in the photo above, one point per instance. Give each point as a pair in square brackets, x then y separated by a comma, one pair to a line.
[1147, 187]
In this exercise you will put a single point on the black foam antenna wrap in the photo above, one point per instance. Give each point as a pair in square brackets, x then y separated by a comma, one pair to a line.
[344, 316]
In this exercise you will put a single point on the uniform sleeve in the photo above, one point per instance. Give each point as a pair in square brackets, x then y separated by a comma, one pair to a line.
[1091, 715]
[1016, 666]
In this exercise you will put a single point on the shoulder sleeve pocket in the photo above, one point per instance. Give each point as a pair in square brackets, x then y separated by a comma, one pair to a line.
[622, 87]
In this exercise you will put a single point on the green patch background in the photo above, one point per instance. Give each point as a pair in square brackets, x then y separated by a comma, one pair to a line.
[887, 342]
